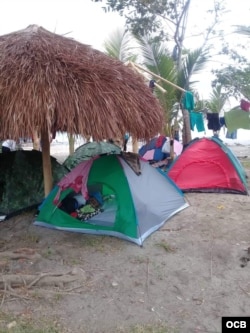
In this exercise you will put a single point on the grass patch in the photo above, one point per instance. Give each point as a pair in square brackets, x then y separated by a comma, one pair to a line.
[21, 325]
[168, 248]
[31, 238]
[157, 328]
[245, 164]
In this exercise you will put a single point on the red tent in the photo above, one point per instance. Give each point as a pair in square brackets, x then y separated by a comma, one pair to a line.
[207, 165]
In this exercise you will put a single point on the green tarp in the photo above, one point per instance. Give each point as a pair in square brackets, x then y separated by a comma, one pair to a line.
[21, 180]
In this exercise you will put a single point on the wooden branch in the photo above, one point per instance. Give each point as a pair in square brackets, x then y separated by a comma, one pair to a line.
[159, 77]
[23, 253]
[26, 280]
[156, 84]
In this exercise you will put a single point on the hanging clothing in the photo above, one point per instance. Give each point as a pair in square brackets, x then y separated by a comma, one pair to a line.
[237, 118]
[196, 120]
[160, 141]
[213, 121]
[188, 101]
[231, 135]
[222, 121]
[245, 105]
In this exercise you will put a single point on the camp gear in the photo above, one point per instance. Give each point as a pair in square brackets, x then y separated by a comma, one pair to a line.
[208, 165]
[88, 150]
[134, 204]
[21, 180]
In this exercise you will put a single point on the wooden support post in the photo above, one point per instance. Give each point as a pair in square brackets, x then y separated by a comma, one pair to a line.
[47, 168]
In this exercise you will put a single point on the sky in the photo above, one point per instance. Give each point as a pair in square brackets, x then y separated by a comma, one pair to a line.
[86, 21]
[83, 20]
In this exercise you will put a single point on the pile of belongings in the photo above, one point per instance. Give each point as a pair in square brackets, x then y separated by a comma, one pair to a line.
[75, 205]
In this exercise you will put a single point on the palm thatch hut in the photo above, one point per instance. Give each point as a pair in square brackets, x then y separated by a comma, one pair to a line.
[54, 83]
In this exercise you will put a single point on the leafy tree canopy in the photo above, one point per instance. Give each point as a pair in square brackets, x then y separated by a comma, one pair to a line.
[148, 16]
[235, 81]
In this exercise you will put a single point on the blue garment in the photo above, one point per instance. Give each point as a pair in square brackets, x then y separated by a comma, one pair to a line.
[126, 136]
[231, 135]
[222, 121]
[159, 155]
[148, 146]
[196, 120]
[188, 101]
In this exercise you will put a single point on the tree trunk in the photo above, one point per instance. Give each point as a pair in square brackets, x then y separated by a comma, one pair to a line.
[47, 168]
[186, 133]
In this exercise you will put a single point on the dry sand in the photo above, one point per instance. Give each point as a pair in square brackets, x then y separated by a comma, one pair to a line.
[186, 276]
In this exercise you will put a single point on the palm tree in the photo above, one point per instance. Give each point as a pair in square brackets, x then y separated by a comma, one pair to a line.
[243, 30]
[123, 46]
[158, 59]
[217, 100]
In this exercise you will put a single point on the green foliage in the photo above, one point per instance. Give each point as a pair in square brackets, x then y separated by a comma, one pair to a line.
[217, 100]
[234, 80]
[20, 325]
[193, 62]
[157, 59]
[121, 45]
[148, 16]
[165, 20]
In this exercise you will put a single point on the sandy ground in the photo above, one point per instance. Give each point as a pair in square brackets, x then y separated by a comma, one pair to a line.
[186, 276]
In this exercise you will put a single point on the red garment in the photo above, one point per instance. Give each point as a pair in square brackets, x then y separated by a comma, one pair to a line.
[76, 179]
[245, 105]
[160, 141]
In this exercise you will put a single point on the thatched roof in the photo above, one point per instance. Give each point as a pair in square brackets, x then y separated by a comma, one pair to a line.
[51, 80]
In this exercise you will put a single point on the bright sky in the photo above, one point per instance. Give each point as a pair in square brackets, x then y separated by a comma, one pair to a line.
[86, 21]
[83, 20]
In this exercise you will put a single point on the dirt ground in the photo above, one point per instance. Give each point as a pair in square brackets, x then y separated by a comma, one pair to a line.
[187, 275]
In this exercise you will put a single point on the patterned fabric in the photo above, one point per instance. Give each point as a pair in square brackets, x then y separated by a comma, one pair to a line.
[85, 215]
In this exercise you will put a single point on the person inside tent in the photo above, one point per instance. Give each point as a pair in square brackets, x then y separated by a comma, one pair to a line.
[8, 145]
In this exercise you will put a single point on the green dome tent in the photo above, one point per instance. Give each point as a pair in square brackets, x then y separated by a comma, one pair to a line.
[88, 150]
[128, 204]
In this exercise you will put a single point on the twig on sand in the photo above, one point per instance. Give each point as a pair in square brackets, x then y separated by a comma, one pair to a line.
[29, 281]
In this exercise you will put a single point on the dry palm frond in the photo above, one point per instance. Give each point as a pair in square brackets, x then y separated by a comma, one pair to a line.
[48, 81]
